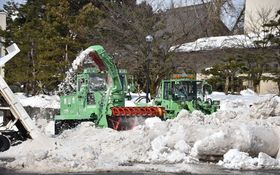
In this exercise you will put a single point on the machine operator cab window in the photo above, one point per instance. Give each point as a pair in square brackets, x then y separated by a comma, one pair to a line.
[185, 91]
[97, 82]
[180, 90]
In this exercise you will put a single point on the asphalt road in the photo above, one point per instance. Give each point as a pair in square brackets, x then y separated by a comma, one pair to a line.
[225, 172]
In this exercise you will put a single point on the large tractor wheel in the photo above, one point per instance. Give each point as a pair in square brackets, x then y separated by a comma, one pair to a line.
[4, 143]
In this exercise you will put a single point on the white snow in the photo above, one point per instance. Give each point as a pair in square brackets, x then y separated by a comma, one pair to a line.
[168, 4]
[68, 84]
[247, 92]
[231, 11]
[244, 133]
[220, 42]
[40, 101]
[234, 159]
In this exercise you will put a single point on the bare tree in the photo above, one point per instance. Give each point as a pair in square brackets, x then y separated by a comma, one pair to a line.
[125, 27]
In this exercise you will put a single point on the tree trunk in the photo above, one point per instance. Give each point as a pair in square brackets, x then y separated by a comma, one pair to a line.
[33, 83]
[232, 84]
[278, 83]
[66, 53]
[226, 85]
[257, 86]
[153, 89]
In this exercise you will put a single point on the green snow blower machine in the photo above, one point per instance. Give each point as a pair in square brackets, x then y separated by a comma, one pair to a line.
[101, 91]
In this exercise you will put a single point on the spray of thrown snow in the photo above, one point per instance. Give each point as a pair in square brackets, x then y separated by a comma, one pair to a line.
[241, 137]
[68, 84]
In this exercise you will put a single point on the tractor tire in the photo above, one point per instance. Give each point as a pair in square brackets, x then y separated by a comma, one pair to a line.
[58, 127]
[62, 125]
[5, 143]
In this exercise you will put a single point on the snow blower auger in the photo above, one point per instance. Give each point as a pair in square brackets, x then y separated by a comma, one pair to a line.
[100, 97]
[125, 118]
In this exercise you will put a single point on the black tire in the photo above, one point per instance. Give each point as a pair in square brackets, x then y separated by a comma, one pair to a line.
[5, 143]
[57, 127]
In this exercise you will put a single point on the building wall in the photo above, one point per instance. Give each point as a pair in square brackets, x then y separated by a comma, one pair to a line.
[3, 27]
[268, 87]
[258, 12]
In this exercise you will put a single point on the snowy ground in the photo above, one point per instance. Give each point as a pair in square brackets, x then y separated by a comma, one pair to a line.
[244, 134]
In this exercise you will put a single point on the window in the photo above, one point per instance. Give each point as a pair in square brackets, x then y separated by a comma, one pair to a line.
[97, 83]
[166, 90]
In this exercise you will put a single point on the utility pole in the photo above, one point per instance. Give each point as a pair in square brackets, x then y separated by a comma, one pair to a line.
[149, 40]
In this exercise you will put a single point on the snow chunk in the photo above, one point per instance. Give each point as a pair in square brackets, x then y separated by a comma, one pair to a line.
[247, 92]
[152, 122]
[234, 159]
[265, 161]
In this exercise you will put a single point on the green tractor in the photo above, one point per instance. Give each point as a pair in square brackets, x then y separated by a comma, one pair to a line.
[177, 94]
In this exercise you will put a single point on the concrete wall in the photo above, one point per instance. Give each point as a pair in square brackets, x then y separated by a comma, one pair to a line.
[258, 12]
[3, 27]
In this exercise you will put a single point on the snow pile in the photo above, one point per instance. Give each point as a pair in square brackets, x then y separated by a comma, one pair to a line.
[247, 92]
[234, 159]
[266, 108]
[238, 140]
[40, 101]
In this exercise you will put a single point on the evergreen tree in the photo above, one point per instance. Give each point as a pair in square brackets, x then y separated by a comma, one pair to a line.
[48, 33]
[273, 38]
[225, 74]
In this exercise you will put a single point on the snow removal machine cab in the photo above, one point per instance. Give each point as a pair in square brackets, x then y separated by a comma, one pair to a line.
[185, 93]
[100, 97]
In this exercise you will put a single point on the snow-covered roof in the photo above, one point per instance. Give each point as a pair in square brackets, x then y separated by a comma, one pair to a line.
[219, 42]
[167, 4]
[230, 11]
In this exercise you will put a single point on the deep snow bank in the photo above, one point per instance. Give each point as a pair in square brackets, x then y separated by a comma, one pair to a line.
[241, 136]
[39, 101]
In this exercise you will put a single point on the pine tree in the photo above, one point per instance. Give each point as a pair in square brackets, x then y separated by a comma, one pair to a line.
[226, 73]
[48, 33]
[273, 37]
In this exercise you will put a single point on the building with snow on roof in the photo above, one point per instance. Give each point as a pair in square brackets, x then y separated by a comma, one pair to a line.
[249, 15]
